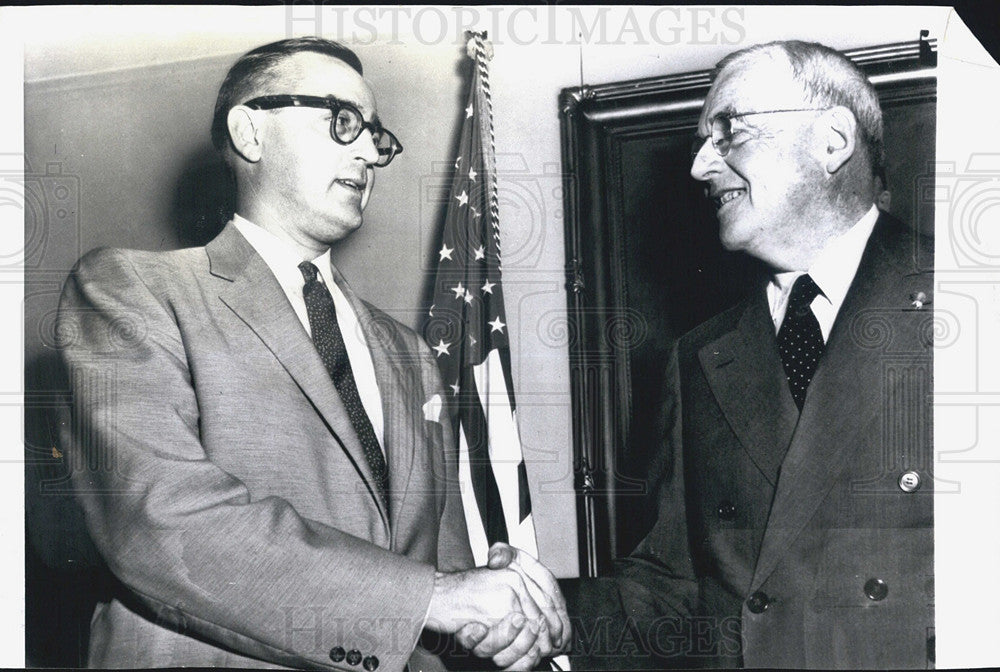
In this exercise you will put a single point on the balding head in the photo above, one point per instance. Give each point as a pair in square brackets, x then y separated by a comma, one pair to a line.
[827, 78]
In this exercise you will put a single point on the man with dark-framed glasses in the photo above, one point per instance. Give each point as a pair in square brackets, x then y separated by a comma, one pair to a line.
[346, 121]
[795, 508]
[261, 455]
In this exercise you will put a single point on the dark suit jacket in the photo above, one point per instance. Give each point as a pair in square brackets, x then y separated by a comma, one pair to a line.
[778, 533]
[222, 480]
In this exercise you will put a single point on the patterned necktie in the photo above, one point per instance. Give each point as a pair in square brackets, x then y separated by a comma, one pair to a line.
[800, 341]
[330, 343]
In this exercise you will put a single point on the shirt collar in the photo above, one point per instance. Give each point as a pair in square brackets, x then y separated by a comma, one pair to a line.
[279, 255]
[834, 267]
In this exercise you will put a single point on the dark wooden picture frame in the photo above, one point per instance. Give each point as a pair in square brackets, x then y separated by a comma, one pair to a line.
[644, 264]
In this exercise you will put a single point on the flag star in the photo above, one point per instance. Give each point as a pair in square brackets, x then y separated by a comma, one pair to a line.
[468, 296]
[454, 388]
[475, 213]
[488, 287]
[462, 198]
[459, 290]
[472, 174]
[441, 348]
[468, 111]
[497, 325]
[472, 340]
[480, 252]
[445, 252]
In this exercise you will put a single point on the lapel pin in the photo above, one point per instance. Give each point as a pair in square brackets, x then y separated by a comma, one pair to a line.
[918, 300]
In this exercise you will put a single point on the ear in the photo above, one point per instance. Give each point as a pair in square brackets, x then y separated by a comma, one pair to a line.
[838, 131]
[244, 133]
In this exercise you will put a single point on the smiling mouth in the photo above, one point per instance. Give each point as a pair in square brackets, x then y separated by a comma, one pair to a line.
[727, 196]
[355, 185]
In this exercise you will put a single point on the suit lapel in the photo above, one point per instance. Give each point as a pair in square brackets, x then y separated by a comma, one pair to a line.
[845, 398]
[745, 374]
[399, 392]
[258, 300]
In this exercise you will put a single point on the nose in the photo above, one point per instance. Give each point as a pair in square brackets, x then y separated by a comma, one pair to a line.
[705, 163]
[364, 147]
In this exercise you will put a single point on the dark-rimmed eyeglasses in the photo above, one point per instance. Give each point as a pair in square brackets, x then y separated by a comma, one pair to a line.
[346, 124]
[722, 128]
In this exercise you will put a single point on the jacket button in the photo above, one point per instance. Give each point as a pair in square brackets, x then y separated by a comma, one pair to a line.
[727, 511]
[353, 657]
[876, 589]
[758, 602]
[909, 481]
[337, 654]
[370, 663]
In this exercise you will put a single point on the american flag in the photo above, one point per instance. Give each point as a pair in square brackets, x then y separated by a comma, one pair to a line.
[468, 333]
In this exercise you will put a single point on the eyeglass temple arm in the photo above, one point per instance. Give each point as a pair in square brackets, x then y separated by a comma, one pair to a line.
[286, 100]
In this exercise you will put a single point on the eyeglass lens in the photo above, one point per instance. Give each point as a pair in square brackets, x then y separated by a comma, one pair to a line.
[348, 124]
[721, 138]
[722, 135]
[385, 147]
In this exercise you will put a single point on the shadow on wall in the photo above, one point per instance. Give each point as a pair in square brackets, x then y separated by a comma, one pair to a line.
[204, 199]
[65, 576]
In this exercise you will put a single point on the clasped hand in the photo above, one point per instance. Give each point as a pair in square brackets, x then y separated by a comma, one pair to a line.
[511, 610]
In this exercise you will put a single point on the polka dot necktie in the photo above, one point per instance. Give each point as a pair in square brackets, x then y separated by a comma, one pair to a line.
[800, 341]
[330, 343]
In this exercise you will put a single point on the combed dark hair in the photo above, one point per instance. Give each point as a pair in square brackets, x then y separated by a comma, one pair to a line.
[255, 68]
[829, 79]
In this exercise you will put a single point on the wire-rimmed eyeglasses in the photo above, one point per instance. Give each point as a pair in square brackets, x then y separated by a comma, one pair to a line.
[722, 128]
[346, 124]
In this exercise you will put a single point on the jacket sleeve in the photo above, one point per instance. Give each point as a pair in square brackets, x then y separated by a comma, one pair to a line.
[454, 552]
[184, 536]
[639, 617]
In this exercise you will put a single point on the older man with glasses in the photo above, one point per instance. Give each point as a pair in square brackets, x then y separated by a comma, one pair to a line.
[795, 514]
[260, 454]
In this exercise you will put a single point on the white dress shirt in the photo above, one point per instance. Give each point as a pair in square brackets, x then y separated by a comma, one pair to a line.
[284, 264]
[833, 271]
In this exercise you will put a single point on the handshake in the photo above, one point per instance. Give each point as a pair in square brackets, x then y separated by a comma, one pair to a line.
[511, 610]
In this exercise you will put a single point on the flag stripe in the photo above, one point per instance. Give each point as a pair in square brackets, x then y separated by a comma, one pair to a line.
[474, 522]
[504, 444]
[484, 484]
[524, 501]
[508, 378]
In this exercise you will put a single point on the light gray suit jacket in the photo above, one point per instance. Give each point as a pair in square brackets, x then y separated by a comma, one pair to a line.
[221, 478]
